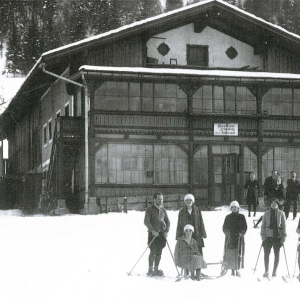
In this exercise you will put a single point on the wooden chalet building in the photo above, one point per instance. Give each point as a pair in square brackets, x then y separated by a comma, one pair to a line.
[192, 100]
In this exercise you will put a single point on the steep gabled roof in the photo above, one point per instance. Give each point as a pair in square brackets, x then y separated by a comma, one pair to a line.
[215, 13]
[186, 12]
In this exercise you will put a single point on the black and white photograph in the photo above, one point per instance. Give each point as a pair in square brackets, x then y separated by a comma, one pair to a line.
[149, 149]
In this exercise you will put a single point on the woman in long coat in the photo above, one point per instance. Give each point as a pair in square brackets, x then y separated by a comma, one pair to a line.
[234, 227]
[187, 254]
[251, 188]
[190, 214]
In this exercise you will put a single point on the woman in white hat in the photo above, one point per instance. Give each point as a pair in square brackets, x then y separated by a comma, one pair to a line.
[187, 254]
[191, 214]
[234, 227]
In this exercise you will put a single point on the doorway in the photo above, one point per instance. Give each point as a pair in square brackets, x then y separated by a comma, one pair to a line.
[226, 175]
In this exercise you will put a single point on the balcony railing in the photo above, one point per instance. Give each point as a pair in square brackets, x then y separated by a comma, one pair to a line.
[70, 127]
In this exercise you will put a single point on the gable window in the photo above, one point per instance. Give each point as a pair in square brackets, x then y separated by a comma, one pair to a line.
[67, 110]
[197, 55]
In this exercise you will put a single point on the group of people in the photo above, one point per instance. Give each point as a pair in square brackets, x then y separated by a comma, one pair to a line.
[274, 187]
[190, 234]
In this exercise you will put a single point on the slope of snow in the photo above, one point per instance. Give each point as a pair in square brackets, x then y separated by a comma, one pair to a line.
[88, 257]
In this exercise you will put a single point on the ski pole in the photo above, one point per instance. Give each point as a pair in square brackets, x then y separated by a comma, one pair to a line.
[173, 257]
[296, 259]
[257, 258]
[141, 256]
[286, 261]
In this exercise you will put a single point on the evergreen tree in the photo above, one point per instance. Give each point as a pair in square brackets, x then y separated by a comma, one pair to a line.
[99, 17]
[295, 16]
[14, 55]
[285, 17]
[173, 4]
[149, 8]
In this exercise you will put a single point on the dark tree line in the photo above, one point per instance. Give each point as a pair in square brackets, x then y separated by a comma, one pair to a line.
[31, 27]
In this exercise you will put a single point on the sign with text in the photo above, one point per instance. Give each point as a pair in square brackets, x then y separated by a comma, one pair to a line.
[226, 129]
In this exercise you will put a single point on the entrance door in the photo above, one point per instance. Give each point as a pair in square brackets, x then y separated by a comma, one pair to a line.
[226, 178]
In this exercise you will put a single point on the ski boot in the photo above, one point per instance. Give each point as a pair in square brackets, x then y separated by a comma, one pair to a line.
[150, 272]
[266, 274]
[158, 273]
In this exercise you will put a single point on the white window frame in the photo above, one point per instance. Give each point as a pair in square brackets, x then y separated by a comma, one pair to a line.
[45, 135]
[50, 136]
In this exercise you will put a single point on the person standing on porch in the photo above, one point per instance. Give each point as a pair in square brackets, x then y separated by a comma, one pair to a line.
[292, 191]
[190, 214]
[251, 189]
[158, 224]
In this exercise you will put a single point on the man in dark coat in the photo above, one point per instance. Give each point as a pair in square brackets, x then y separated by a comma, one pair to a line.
[190, 214]
[272, 187]
[292, 191]
[158, 224]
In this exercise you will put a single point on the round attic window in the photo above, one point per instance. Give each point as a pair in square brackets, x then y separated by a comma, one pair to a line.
[231, 52]
[163, 49]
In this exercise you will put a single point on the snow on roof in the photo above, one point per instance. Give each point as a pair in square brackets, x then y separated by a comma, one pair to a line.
[213, 73]
[173, 12]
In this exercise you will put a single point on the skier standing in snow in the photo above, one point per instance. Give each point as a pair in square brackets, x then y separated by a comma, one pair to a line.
[234, 228]
[251, 189]
[292, 191]
[191, 214]
[158, 224]
[273, 234]
[187, 254]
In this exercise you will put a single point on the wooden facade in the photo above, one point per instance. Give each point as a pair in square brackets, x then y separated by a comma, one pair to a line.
[153, 109]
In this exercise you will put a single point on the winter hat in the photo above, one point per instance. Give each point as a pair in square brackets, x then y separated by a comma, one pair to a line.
[188, 226]
[234, 203]
[190, 197]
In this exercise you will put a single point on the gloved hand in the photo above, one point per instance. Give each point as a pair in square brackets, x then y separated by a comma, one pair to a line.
[165, 234]
[155, 233]
[242, 235]
[282, 240]
[227, 233]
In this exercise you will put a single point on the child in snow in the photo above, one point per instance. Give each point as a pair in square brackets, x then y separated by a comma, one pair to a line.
[187, 254]
[298, 231]
[234, 228]
[273, 234]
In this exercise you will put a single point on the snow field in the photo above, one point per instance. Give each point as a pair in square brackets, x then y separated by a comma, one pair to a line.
[87, 257]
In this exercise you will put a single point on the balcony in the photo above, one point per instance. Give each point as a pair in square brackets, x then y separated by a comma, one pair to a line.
[69, 127]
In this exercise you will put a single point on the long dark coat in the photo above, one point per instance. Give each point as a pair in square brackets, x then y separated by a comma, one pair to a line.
[252, 191]
[199, 229]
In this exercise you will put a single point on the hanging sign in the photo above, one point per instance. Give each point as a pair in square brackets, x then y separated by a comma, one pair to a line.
[226, 129]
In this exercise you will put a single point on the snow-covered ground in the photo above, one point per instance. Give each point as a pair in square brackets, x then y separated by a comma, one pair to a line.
[88, 257]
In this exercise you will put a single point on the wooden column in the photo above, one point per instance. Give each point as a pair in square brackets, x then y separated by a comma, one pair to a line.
[242, 173]
[60, 170]
[210, 175]
[191, 140]
[261, 91]
[92, 88]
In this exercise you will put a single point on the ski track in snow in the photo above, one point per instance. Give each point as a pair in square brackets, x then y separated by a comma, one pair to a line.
[88, 257]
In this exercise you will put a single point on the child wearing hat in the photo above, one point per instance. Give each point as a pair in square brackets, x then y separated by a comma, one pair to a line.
[187, 254]
[234, 228]
[273, 234]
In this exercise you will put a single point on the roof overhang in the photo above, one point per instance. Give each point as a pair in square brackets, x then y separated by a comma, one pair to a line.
[189, 75]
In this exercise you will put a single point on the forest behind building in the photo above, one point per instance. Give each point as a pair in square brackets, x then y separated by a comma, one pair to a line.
[29, 28]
